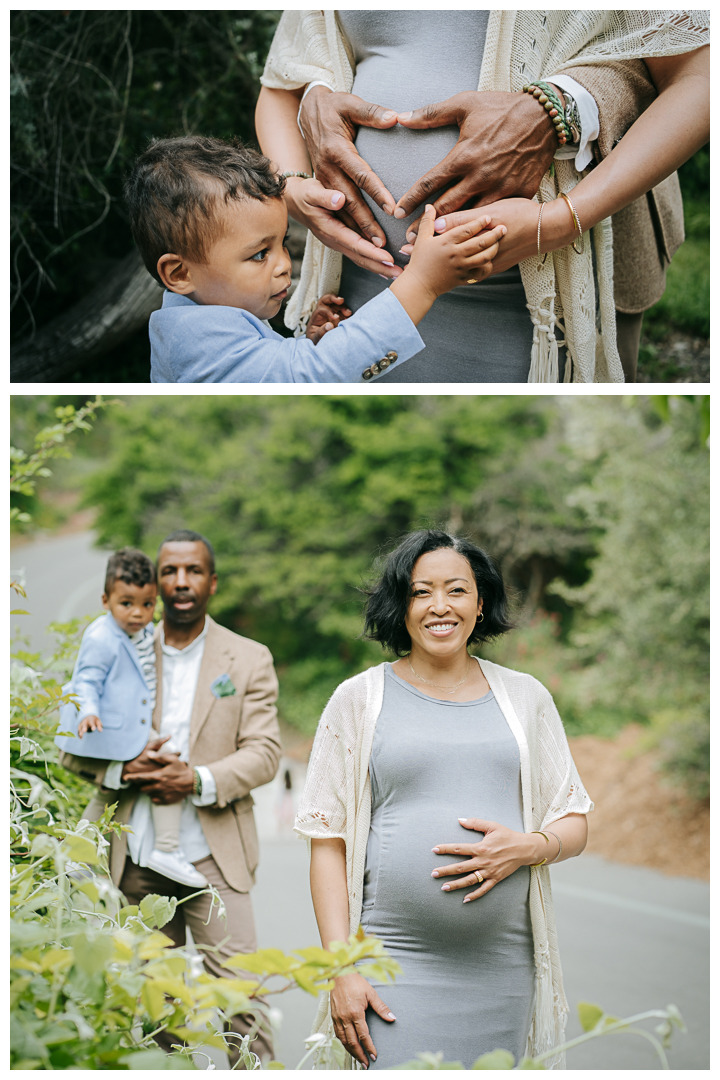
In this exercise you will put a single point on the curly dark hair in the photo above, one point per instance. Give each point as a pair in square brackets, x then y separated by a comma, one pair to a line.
[178, 186]
[387, 599]
[131, 566]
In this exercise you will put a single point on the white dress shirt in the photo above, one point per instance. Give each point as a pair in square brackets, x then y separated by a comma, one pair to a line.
[180, 671]
[589, 122]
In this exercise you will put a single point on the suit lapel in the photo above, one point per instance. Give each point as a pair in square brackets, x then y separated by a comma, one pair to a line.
[216, 661]
[157, 711]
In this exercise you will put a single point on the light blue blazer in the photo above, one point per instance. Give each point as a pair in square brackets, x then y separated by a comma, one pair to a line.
[109, 682]
[209, 343]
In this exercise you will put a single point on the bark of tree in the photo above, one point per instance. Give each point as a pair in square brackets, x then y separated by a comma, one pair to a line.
[105, 318]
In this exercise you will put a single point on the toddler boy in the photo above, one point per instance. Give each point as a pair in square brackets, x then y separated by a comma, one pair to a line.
[115, 683]
[210, 222]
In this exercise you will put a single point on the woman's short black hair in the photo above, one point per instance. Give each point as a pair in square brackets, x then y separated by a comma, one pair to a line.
[388, 599]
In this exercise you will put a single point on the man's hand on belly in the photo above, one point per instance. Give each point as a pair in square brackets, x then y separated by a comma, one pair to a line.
[505, 148]
[329, 122]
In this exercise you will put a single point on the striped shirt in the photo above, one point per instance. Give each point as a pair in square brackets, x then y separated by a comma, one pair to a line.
[144, 642]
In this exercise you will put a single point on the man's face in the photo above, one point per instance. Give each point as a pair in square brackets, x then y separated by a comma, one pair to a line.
[185, 580]
[249, 266]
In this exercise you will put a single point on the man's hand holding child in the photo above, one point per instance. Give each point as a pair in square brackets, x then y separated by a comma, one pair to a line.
[330, 311]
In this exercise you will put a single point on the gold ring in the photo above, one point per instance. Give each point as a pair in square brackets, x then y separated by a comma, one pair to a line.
[472, 281]
[479, 876]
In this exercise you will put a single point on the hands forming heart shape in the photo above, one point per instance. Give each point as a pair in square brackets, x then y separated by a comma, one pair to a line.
[504, 148]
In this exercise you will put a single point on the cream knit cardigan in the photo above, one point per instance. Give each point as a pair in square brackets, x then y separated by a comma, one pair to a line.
[336, 802]
[520, 46]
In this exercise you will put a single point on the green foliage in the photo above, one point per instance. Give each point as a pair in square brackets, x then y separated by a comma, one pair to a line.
[685, 305]
[50, 444]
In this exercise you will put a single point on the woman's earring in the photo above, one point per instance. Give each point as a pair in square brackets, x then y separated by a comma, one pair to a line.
[480, 616]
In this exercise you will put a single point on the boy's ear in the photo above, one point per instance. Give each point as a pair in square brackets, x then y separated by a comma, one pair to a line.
[175, 274]
[105, 600]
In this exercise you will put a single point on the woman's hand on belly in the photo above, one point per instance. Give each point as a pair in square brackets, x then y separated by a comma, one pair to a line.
[499, 854]
[312, 205]
[330, 122]
[520, 217]
[505, 148]
[351, 996]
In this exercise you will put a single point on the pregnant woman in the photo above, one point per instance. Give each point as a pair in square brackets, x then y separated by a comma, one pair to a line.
[511, 327]
[439, 789]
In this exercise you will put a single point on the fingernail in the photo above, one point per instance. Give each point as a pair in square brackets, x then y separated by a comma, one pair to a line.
[377, 241]
[504, 230]
[466, 900]
[383, 277]
[404, 116]
[373, 1058]
[406, 249]
[388, 209]
[440, 224]
[388, 116]
[335, 200]
[399, 212]
[388, 263]
[390, 1015]
[435, 873]
[444, 888]
[463, 819]
[364, 1065]
[436, 850]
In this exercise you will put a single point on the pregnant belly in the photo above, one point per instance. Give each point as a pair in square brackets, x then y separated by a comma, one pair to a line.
[400, 157]
[412, 913]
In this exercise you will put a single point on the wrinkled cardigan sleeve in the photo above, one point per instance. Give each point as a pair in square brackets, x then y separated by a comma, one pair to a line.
[560, 790]
[322, 812]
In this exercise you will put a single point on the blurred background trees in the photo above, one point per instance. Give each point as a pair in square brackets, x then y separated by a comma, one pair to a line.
[88, 90]
[596, 509]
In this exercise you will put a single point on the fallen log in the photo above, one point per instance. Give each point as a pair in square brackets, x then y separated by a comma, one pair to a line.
[101, 321]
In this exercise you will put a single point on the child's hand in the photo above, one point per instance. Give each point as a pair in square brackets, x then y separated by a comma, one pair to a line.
[465, 258]
[89, 723]
[326, 316]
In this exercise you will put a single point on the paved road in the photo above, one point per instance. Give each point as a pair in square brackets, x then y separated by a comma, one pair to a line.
[631, 939]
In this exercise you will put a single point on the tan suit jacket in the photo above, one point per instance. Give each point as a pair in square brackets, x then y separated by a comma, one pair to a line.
[647, 232]
[237, 737]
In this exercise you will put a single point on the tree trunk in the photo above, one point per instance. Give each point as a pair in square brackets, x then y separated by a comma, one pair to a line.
[105, 318]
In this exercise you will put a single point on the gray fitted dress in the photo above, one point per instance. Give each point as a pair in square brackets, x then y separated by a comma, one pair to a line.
[468, 973]
[404, 60]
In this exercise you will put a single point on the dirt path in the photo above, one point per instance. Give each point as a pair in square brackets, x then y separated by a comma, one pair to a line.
[639, 818]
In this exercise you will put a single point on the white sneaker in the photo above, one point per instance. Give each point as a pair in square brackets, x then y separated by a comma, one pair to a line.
[174, 865]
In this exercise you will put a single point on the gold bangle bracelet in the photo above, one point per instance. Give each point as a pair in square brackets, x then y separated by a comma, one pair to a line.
[537, 832]
[576, 222]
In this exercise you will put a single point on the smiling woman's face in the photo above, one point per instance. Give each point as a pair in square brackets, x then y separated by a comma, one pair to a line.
[444, 603]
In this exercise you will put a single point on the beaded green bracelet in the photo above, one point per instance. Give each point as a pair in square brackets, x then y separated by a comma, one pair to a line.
[552, 104]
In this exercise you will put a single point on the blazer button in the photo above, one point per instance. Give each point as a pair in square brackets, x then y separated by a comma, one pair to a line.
[384, 363]
[144, 701]
[142, 721]
[367, 374]
[392, 356]
[375, 369]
